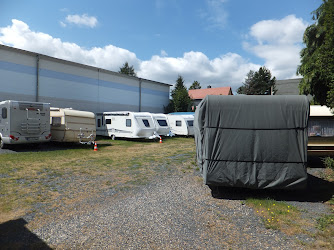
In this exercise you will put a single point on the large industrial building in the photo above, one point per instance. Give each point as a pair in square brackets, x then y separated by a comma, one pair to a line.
[28, 76]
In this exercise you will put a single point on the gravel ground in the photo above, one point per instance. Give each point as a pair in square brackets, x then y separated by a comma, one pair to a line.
[175, 212]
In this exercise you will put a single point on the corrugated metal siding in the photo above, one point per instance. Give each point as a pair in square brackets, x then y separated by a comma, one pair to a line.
[288, 87]
[68, 84]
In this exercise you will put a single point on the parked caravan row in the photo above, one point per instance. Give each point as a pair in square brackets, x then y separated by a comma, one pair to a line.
[36, 122]
[126, 124]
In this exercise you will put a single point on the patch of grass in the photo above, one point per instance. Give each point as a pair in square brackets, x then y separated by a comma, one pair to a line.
[329, 172]
[325, 237]
[331, 201]
[74, 174]
[277, 215]
[325, 221]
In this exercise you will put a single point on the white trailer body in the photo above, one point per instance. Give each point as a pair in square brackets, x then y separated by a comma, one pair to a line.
[126, 124]
[181, 124]
[161, 124]
[69, 125]
[24, 122]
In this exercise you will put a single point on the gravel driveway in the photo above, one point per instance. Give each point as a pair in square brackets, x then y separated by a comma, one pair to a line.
[173, 212]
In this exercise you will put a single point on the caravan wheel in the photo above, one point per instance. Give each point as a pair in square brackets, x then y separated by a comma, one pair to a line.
[2, 144]
[113, 137]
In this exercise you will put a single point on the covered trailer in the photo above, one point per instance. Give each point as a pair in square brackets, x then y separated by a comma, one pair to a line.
[256, 142]
[69, 125]
[24, 122]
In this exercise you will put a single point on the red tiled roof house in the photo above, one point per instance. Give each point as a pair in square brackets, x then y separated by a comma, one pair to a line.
[198, 94]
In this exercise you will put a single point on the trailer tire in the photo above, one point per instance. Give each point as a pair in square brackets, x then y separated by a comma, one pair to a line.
[2, 144]
[113, 137]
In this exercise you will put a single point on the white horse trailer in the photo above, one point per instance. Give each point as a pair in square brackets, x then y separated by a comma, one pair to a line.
[24, 122]
[161, 124]
[126, 124]
[181, 124]
[69, 125]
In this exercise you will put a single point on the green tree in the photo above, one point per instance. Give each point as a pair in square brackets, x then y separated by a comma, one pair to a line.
[317, 58]
[127, 70]
[195, 85]
[258, 83]
[181, 102]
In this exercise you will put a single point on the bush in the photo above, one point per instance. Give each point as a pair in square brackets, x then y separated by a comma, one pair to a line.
[328, 162]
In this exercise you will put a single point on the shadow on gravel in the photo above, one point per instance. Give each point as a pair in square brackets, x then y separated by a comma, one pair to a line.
[318, 190]
[14, 235]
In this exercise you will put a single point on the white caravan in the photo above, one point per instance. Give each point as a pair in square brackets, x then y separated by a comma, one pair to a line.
[161, 124]
[181, 124]
[126, 124]
[24, 122]
[69, 125]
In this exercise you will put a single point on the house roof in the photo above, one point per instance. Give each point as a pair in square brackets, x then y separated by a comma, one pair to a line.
[201, 93]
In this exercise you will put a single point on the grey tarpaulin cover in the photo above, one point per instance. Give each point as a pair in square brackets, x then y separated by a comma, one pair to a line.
[252, 141]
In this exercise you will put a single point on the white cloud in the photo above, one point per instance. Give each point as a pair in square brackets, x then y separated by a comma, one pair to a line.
[20, 36]
[83, 20]
[278, 42]
[215, 14]
[226, 70]
[163, 53]
[62, 24]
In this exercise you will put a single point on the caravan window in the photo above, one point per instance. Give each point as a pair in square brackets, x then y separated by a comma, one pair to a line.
[4, 113]
[56, 121]
[128, 122]
[162, 123]
[99, 122]
[108, 121]
[178, 123]
[146, 123]
[190, 123]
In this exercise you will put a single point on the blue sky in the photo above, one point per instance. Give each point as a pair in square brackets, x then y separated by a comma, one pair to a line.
[215, 42]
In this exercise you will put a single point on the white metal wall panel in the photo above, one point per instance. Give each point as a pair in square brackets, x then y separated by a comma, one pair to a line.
[66, 84]
[154, 96]
[17, 75]
[114, 90]
[66, 81]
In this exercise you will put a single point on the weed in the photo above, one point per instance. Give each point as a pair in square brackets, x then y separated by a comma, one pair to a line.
[331, 201]
[329, 171]
[275, 214]
[325, 221]
[328, 162]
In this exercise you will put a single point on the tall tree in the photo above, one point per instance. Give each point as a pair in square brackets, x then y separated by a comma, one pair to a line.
[317, 58]
[195, 85]
[258, 83]
[181, 102]
[127, 70]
